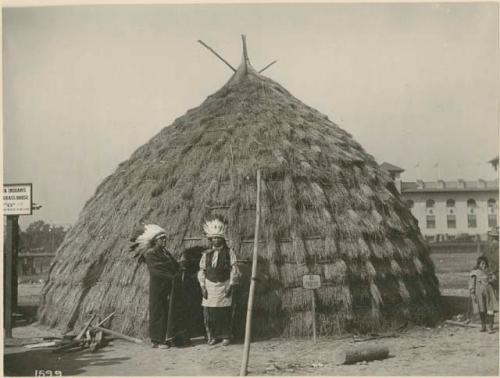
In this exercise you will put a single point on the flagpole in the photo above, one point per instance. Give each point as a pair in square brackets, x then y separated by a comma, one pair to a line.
[436, 165]
[248, 326]
[419, 172]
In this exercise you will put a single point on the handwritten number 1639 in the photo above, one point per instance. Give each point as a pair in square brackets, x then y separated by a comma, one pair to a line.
[48, 373]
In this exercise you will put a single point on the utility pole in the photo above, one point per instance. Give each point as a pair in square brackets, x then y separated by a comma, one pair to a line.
[10, 275]
[17, 200]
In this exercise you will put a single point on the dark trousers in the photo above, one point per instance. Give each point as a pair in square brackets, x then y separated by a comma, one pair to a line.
[217, 322]
[159, 291]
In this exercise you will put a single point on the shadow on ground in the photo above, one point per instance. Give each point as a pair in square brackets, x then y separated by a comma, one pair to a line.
[454, 305]
[20, 362]
[25, 315]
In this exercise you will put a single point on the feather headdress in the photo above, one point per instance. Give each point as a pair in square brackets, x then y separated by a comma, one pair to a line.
[215, 228]
[142, 238]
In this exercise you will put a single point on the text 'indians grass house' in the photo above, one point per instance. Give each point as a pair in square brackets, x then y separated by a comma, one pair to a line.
[446, 209]
[327, 209]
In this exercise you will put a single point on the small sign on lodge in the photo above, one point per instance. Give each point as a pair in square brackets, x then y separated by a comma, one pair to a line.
[17, 199]
[311, 281]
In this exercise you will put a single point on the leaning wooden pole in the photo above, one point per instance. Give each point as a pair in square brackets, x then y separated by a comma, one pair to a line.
[269, 65]
[248, 327]
[217, 55]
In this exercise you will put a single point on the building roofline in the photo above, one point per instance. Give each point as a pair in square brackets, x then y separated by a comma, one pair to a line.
[447, 190]
[391, 167]
[441, 186]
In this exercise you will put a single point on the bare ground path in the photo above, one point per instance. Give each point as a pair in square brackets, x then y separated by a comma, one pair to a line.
[445, 350]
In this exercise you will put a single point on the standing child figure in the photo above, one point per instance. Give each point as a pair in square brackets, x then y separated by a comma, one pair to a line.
[482, 293]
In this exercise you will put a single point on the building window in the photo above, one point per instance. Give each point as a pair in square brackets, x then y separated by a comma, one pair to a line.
[492, 213]
[492, 220]
[450, 205]
[471, 205]
[410, 204]
[492, 206]
[451, 221]
[431, 218]
[431, 221]
[471, 220]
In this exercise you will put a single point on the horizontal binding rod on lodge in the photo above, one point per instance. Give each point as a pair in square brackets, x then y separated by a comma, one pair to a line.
[215, 130]
[287, 240]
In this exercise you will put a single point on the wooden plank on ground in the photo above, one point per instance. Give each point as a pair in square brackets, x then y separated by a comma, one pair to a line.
[120, 335]
[461, 324]
[343, 356]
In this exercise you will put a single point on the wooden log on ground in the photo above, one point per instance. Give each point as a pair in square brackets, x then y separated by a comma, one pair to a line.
[77, 341]
[461, 324]
[120, 335]
[96, 342]
[358, 339]
[365, 353]
[65, 346]
[105, 319]
[84, 330]
[42, 345]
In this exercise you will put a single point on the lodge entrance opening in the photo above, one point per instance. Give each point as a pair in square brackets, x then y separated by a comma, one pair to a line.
[190, 261]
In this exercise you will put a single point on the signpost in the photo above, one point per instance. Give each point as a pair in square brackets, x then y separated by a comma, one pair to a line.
[17, 200]
[312, 282]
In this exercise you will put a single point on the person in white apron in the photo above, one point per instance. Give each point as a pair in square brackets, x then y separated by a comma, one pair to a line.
[217, 276]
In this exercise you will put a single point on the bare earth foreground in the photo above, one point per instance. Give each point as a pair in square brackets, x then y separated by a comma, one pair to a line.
[445, 350]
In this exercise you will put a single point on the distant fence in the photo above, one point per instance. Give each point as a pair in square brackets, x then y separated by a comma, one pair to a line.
[458, 247]
[30, 264]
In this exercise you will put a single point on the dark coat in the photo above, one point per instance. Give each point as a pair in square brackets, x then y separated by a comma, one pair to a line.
[161, 263]
[492, 256]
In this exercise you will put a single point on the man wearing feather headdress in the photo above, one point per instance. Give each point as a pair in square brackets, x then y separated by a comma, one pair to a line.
[163, 268]
[217, 276]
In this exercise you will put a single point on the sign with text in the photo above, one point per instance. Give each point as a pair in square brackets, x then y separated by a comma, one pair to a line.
[17, 199]
[311, 281]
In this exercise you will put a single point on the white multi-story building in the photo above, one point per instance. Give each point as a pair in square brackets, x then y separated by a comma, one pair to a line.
[448, 208]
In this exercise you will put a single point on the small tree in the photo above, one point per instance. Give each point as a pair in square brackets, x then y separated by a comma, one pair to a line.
[41, 236]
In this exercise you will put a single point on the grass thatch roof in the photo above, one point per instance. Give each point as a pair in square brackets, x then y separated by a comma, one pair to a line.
[327, 209]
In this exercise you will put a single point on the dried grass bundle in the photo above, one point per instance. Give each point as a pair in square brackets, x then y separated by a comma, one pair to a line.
[326, 209]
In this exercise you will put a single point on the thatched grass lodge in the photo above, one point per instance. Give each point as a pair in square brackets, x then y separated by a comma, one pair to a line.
[327, 209]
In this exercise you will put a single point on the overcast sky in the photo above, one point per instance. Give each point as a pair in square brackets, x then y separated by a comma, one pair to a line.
[85, 86]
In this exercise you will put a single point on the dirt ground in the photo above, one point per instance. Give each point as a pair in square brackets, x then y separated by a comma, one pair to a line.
[445, 350]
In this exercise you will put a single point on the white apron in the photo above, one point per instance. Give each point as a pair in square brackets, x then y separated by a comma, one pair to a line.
[216, 294]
